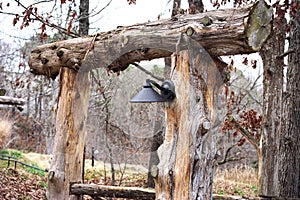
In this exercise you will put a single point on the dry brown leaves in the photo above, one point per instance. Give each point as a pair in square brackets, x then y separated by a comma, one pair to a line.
[14, 184]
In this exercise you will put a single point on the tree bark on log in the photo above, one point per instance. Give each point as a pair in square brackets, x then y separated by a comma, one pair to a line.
[5, 100]
[94, 190]
[220, 32]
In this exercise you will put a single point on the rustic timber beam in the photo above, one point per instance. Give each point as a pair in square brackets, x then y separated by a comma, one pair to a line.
[94, 190]
[220, 32]
[11, 101]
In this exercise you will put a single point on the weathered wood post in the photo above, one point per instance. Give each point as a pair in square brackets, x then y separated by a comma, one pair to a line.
[187, 154]
[66, 163]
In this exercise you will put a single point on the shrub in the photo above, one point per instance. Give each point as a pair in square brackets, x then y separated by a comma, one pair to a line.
[5, 128]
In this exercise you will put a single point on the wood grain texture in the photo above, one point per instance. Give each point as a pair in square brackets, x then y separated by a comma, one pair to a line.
[66, 163]
[187, 153]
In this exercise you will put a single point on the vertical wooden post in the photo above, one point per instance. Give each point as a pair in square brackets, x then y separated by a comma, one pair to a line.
[66, 164]
[187, 154]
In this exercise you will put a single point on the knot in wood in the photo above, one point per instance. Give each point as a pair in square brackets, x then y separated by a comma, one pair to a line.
[51, 175]
[60, 53]
[2, 92]
[174, 18]
[206, 125]
[190, 31]
[144, 50]
[76, 66]
[44, 61]
[154, 171]
[74, 61]
[207, 21]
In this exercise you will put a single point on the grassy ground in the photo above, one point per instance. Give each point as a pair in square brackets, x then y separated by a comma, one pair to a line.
[237, 181]
[240, 181]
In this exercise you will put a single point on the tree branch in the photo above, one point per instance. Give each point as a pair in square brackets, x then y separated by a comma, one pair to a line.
[100, 9]
[225, 156]
[45, 1]
[72, 34]
[285, 54]
[255, 82]
[244, 132]
[229, 159]
[147, 72]
[9, 13]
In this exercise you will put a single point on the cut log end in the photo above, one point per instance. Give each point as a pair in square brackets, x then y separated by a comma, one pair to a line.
[259, 25]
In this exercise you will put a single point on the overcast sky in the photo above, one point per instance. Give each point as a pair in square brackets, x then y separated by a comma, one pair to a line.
[118, 13]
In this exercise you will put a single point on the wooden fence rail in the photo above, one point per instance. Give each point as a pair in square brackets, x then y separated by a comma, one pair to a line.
[97, 191]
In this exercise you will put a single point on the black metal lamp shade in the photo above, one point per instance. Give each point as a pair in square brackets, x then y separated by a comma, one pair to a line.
[149, 95]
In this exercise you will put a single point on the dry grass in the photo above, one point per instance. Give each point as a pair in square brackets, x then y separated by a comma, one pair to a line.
[244, 174]
[241, 181]
[43, 161]
[5, 128]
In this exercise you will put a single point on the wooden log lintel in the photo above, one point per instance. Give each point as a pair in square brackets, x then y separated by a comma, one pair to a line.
[220, 32]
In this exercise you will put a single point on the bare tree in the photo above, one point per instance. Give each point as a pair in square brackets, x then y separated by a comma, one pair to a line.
[289, 160]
